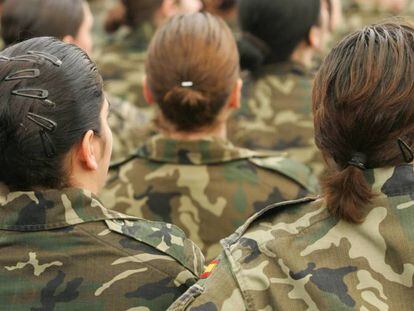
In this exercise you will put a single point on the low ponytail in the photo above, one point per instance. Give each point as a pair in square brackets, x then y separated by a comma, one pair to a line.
[187, 108]
[346, 193]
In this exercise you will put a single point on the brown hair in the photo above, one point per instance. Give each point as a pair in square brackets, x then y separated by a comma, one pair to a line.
[363, 103]
[197, 48]
[22, 20]
[131, 13]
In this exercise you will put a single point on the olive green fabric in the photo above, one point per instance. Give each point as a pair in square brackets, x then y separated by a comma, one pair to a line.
[206, 187]
[296, 256]
[62, 250]
[276, 114]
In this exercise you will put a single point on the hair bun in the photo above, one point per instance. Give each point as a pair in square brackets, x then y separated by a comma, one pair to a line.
[186, 96]
[186, 107]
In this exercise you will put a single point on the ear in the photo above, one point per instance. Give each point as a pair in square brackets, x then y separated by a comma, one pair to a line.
[235, 96]
[314, 39]
[86, 152]
[149, 98]
[69, 39]
[168, 8]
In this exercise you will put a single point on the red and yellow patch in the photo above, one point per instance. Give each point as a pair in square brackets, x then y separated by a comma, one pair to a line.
[209, 269]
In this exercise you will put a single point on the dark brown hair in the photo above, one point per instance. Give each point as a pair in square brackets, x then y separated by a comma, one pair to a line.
[22, 20]
[273, 29]
[363, 103]
[36, 134]
[131, 13]
[197, 48]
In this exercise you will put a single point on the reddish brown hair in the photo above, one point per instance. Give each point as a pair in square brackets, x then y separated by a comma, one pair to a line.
[363, 102]
[199, 48]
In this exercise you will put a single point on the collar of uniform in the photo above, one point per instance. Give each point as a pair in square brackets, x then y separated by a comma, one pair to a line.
[392, 181]
[51, 209]
[386, 182]
[200, 152]
[285, 68]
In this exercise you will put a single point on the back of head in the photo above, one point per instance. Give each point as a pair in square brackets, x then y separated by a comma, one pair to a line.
[131, 13]
[363, 104]
[50, 96]
[192, 68]
[273, 29]
[22, 20]
[221, 5]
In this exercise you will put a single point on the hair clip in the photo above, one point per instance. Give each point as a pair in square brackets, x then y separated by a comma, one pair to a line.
[25, 58]
[4, 58]
[358, 160]
[47, 143]
[406, 151]
[48, 103]
[23, 74]
[187, 84]
[51, 58]
[31, 93]
[43, 122]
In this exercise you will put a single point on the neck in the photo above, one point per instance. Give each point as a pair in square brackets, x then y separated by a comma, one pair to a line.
[303, 55]
[218, 131]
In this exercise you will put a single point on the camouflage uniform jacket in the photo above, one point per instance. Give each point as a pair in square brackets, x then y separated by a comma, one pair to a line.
[62, 250]
[207, 187]
[130, 127]
[359, 14]
[295, 256]
[276, 114]
[121, 62]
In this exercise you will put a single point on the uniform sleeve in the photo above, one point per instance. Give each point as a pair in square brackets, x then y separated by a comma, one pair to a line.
[219, 291]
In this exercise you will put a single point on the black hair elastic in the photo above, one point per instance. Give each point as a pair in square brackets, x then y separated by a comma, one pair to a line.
[406, 151]
[358, 160]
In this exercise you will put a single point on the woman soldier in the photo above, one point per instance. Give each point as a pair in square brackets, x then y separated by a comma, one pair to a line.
[133, 23]
[191, 175]
[278, 44]
[60, 245]
[22, 20]
[353, 248]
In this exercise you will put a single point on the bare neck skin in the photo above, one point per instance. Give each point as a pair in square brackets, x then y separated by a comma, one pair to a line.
[303, 55]
[218, 130]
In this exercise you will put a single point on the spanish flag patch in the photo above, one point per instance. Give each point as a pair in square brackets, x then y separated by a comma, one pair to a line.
[209, 269]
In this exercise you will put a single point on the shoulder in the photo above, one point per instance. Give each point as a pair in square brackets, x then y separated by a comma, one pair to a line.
[292, 169]
[165, 238]
[291, 217]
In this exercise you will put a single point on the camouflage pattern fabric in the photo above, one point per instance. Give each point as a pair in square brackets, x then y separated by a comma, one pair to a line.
[99, 9]
[276, 114]
[295, 256]
[206, 187]
[121, 62]
[358, 14]
[62, 250]
[130, 126]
